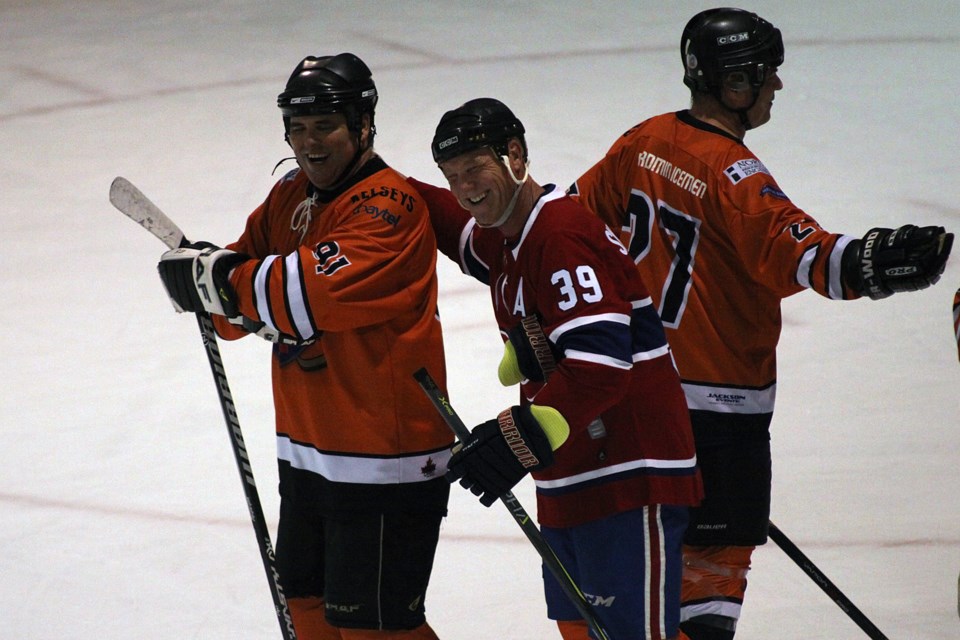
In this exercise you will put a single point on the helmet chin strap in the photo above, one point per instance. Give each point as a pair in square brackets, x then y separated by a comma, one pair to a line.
[744, 118]
[508, 211]
[741, 113]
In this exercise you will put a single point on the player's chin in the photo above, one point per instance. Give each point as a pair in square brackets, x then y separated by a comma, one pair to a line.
[321, 176]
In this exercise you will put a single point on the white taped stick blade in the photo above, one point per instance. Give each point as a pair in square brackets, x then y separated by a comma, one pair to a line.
[132, 203]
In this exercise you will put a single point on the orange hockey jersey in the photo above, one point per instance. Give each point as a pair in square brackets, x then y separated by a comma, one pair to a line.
[719, 245]
[354, 270]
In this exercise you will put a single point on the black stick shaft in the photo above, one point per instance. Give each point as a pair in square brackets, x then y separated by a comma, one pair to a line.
[246, 475]
[825, 584]
[130, 201]
[519, 514]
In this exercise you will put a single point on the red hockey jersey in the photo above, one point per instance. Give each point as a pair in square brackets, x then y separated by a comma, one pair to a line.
[630, 443]
[357, 273]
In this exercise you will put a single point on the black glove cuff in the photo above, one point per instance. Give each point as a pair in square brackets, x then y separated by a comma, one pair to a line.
[536, 356]
[526, 439]
[871, 245]
[860, 267]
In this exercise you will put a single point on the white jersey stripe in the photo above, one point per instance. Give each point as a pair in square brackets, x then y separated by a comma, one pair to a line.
[338, 467]
[652, 354]
[710, 608]
[803, 269]
[655, 584]
[645, 463]
[261, 289]
[580, 321]
[835, 286]
[730, 399]
[295, 296]
[597, 358]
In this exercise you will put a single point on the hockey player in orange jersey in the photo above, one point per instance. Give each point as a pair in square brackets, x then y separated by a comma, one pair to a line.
[719, 245]
[337, 266]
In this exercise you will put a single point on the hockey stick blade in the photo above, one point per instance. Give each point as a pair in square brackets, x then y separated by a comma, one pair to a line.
[550, 560]
[825, 584]
[132, 203]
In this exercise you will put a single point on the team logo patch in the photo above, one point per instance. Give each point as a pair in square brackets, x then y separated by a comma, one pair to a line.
[449, 141]
[744, 169]
[770, 190]
[429, 469]
[733, 38]
[378, 213]
[728, 399]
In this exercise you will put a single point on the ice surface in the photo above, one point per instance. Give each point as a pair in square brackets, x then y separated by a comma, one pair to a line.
[120, 506]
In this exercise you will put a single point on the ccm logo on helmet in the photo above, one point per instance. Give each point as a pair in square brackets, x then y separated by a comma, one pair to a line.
[735, 37]
[303, 100]
[449, 141]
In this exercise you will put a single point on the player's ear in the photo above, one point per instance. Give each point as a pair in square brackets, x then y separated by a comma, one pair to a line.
[517, 155]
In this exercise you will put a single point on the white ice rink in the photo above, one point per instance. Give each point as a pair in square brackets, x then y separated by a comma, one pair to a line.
[121, 511]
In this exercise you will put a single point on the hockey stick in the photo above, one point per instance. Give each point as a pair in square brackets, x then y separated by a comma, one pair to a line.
[523, 519]
[825, 584]
[956, 325]
[136, 206]
[956, 334]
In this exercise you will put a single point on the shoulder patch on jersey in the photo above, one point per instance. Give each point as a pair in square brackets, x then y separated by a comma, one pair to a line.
[744, 169]
[376, 212]
[290, 175]
[771, 190]
[404, 201]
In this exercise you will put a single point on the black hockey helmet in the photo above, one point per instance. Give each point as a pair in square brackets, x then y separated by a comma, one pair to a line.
[482, 122]
[330, 84]
[717, 42]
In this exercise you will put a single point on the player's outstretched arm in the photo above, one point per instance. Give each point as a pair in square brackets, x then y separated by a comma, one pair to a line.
[888, 261]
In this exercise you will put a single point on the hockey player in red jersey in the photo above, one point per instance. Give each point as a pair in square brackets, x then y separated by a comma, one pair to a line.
[719, 244]
[339, 263]
[602, 423]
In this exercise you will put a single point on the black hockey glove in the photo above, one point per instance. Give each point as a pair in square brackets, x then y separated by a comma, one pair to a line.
[501, 451]
[527, 354]
[196, 278]
[888, 261]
